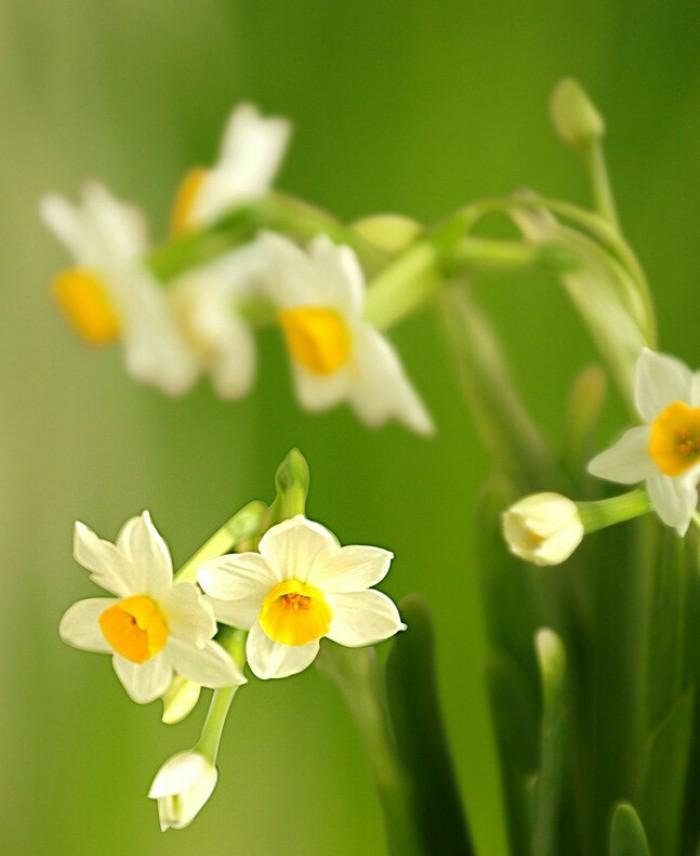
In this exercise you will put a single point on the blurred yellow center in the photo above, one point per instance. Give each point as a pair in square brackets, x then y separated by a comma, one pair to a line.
[295, 613]
[135, 628]
[82, 296]
[185, 200]
[318, 338]
[674, 442]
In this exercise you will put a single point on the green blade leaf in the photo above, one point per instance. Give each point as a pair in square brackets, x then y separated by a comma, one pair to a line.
[420, 735]
[627, 836]
[551, 658]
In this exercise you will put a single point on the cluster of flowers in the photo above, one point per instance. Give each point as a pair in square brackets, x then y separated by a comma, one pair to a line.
[196, 323]
[664, 453]
[299, 587]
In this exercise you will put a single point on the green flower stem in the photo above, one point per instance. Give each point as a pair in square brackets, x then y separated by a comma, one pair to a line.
[208, 744]
[276, 212]
[357, 675]
[607, 512]
[594, 161]
[244, 525]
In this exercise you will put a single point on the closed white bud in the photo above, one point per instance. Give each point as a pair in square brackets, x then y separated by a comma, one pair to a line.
[544, 528]
[182, 786]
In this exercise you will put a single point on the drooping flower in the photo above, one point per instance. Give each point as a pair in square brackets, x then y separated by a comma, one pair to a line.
[110, 294]
[206, 302]
[301, 586]
[153, 626]
[182, 787]
[335, 354]
[251, 153]
[544, 528]
[664, 453]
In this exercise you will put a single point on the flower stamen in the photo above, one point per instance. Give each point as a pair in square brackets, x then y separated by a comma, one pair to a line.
[135, 628]
[318, 338]
[84, 299]
[295, 613]
[674, 441]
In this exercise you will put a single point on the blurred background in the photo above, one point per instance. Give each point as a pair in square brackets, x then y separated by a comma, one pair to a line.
[415, 107]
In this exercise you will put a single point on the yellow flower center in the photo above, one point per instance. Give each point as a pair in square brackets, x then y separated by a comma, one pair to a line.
[674, 442]
[135, 628]
[185, 200]
[82, 296]
[295, 613]
[317, 337]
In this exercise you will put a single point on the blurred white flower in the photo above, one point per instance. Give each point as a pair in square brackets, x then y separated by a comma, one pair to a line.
[664, 453]
[251, 153]
[300, 587]
[153, 626]
[544, 528]
[110, 294]
[335, 354]
[182, 786]
[206, 301]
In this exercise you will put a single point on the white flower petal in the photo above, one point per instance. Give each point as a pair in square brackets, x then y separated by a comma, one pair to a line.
[117, 225]
[80, 624]
[290, 279]
[66, 222]
[292, 547]
[182, 787]
[209, 665]
[659, 381]
[144, 682]
[381, 390]
[363, 618]
[269, 659]
[188, 614]
[695, 390]
[251, 154]
[316, 393]
[148, 553]
[673, 499]
[627, 461]
[109, 569]
[237, 585]
[338, 268]
[352, 568]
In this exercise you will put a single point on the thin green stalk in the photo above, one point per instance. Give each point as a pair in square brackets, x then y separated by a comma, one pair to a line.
[599, 514]
[243, 525]
[357, 675]
[210, 739]
[594, 160]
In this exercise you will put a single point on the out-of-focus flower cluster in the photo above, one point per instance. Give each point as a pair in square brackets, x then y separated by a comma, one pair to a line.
[200, 322]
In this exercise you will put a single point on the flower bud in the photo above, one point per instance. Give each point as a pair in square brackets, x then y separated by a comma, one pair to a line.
[182, 786]
[574, 115]
[544, 528]
[179, 700]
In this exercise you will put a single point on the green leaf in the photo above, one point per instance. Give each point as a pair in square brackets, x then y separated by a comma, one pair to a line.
[419, 730]
[551, 658]
[515, 721]
[662, 782]
[627, 836]
[505, 427]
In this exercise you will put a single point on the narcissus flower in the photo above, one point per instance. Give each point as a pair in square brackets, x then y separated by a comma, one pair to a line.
[664, 453]
[544, 528]
[182, 786]
[110, 295]
[153, 626]
[301, 586]
[336, 355]
[251, 153]
[205, 302]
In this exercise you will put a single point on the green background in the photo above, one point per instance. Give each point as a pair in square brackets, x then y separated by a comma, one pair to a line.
[415, 107]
